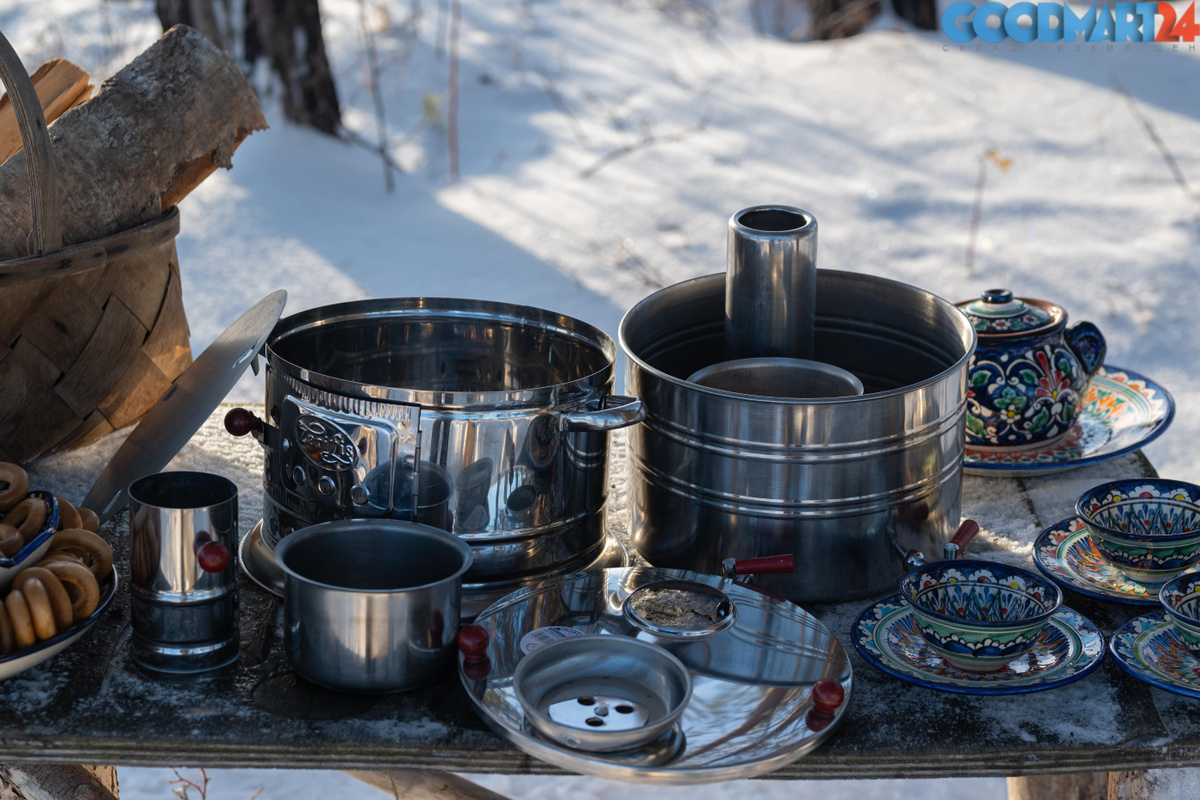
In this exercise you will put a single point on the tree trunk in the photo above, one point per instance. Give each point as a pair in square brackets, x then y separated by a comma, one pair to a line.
[837, 19]
[287, 33]
[921, 13]
[198, 14]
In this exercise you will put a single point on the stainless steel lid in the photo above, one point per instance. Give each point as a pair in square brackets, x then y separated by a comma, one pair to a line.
[751, 709]
[779, 377]
[183, 408]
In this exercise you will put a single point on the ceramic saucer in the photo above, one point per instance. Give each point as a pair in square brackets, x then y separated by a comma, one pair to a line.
[1066, 555]
[1150, 649]
[1122, 411]
[1068, 649]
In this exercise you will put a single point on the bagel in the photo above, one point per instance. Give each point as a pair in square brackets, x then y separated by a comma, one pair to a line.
[22, 622]
[68, 515]
[8, 642]
[40, 611]
[27, 516]
[79, 584]
[17, 481]
[11, 540]
[88, 547]
[60, 601]
[90, 521]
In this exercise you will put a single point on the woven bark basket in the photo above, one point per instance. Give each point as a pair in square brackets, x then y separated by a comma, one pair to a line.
[91, 335]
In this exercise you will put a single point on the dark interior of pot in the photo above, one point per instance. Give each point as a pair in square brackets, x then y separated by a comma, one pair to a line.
[373, 559]
[887, 334]
[442, 353]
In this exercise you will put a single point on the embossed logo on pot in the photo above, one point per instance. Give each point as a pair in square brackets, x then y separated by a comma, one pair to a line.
[326, 444]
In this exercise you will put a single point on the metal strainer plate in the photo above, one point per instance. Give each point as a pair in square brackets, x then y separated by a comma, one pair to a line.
[750, 710]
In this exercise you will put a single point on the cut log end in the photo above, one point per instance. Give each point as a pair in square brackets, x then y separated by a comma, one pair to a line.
[151, 134]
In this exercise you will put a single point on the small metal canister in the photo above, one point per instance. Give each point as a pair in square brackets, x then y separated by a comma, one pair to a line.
[183, 571]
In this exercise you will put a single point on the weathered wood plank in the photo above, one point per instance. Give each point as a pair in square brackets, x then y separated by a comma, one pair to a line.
[57, 782]
[1085, 786]
[414, 785]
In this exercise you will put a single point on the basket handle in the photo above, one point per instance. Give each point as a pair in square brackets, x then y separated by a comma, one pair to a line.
[43, 183]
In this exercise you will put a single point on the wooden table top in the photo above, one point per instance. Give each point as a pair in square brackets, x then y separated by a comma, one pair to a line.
[93, 705]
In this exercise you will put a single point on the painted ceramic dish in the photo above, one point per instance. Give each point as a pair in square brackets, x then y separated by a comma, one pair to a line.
[1065, 553]
[1122, 411]
[1068, 648]
[1148, 528]
[1150, 649]
[1029, 372]
[36, 547]
[979, 615]
[1181, 600]
[16, 663]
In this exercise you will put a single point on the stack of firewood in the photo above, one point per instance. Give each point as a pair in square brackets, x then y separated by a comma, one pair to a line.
[92, 330]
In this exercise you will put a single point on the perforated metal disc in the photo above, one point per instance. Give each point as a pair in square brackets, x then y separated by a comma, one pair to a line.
[752, 680]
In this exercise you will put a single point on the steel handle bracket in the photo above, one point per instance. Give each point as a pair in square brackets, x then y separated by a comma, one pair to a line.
[615, 411]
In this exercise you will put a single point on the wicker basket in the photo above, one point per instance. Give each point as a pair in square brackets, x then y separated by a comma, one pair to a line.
[90, 335]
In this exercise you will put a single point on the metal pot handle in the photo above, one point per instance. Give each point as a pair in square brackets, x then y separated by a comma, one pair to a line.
[608, 417]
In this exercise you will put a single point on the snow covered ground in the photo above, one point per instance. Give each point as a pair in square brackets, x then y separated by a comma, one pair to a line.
[602, 147]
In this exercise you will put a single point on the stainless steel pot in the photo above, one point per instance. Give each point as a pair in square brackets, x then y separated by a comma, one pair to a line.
[486, 419]
[846, 484]
[371, 605]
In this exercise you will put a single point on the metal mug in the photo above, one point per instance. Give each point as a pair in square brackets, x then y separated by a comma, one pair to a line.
[371, 605]
[183, 571]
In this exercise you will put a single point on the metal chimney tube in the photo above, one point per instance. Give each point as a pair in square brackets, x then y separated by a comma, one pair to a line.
[771, 283]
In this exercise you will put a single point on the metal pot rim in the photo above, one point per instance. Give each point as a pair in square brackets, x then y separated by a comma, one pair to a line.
[446, 308]
[399, 526]
[788, 401]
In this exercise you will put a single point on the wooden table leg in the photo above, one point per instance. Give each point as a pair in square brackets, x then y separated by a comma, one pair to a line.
[57, 782]
[414, 785]
[1084, 786]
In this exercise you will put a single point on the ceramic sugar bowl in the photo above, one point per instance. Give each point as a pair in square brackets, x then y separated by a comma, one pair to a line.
[1030, 371]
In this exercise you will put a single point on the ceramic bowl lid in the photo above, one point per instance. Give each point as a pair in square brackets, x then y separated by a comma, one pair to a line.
[997, 311]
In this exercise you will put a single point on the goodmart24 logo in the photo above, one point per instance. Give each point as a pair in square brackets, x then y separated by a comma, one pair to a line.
[1027, 22]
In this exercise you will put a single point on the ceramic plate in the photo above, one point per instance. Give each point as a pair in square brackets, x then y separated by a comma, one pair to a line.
[1065, 554]
[1122, 412]
[1067, 650]
[16, 663]
[1149, 649]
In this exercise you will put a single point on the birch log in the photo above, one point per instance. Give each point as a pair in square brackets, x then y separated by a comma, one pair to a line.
[150, 135]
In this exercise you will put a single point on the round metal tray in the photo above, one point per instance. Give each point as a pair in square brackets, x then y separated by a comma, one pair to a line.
[258, 562]
[751, 706]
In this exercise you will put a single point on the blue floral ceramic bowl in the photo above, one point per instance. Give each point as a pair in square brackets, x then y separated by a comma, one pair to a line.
[1029, 373]
[1147, 528]
[1180, 597]
[979, 615]
[36, 547]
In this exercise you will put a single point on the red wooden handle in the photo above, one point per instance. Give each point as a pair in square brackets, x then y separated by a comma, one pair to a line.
[212, 556]
[240, 421]
[827, 696]
[767, 565]
[965, 533]
[473, 642]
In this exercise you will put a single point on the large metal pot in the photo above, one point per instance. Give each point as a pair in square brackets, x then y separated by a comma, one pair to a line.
[486, 419]
[846, 484]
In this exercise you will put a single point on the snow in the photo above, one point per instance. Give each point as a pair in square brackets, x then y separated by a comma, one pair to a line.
[604, 145]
